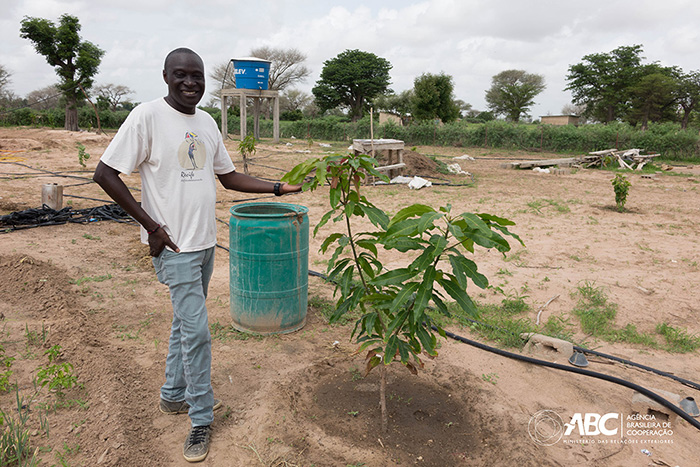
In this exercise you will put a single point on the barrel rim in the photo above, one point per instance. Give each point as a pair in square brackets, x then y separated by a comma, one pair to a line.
[294, 210]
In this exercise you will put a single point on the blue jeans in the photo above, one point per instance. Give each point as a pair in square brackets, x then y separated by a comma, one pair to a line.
[188, 366]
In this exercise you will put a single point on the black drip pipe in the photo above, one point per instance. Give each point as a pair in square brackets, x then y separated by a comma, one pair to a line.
[613, 379]
[639, 365]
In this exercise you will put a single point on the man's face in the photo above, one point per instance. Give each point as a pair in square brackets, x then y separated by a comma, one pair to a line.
[184, 74]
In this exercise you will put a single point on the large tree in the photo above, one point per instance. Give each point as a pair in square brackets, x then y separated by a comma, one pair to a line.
[513, 92]
[688, 95]
[602, 82]
[433, 97]
[351, 80]
[76, 61]
[113, 94]
[652, 96]
[45, 98]
[400, 104]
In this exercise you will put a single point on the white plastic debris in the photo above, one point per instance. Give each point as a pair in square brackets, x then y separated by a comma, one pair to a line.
[417, 183]
[540, 170]
[324, 145]
[289, 145]
[647, 452]
[456, 169]
[401, 180]
[465, 157]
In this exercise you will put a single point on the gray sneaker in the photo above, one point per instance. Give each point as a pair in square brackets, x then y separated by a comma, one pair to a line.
[196, 445]
[174, 408]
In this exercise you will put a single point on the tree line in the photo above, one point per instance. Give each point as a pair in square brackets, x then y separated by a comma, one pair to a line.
[605, 87]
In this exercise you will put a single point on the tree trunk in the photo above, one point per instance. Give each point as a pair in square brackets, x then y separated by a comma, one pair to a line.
[382, 396]
[71, 114]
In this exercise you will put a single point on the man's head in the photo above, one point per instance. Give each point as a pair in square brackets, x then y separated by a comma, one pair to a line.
[183, 72]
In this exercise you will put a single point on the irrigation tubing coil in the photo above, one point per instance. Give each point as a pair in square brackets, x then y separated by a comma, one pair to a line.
[39, 217]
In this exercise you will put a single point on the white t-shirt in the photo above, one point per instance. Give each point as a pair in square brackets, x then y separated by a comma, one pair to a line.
[178, 156]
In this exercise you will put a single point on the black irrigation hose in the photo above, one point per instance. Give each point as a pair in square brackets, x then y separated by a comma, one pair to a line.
[613, 379]
[639, 365]
[688, 383]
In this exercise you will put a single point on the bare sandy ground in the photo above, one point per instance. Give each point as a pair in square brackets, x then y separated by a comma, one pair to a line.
[298, 399]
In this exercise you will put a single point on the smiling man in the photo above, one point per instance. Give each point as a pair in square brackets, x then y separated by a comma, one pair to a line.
[179, 153]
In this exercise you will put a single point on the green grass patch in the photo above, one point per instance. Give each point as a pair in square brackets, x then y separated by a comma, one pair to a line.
[597, 316]
[678, 340]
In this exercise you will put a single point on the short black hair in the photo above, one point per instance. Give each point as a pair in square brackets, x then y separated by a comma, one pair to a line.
[180, 50]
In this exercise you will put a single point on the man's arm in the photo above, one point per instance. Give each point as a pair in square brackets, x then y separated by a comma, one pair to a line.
[247, 184]
[108, 178]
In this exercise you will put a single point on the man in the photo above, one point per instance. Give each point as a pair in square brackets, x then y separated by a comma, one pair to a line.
[178, 150]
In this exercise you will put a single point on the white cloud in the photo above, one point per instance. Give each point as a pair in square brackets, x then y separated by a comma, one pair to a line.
[471, 40]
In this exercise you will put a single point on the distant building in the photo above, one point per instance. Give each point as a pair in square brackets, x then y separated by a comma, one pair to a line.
[560, 120]
[390, 117]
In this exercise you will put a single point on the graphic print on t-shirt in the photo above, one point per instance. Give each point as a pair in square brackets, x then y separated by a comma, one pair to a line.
[192, 153]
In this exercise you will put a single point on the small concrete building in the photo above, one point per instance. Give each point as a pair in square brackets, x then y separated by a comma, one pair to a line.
[390, 117]
[560, 120]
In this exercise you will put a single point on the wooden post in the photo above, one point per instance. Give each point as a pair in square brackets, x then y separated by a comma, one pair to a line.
[244, 117]
[276, 120]
[224, 116]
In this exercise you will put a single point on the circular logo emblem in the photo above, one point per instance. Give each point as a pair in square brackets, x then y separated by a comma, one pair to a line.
[546, 427]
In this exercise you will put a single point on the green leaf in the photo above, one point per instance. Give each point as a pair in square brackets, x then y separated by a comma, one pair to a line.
[410, 211]
[376, 216]
[337, 268]
[427, 340]
[300, 171]
[460, 296]
[397, 322]
[463, 268]
[391, 347]
[394, 277]
[368, 245]
[403, 296]
[404, 228]
[425, 259]
[496, 219]
[323, 221]
[403, 244]
[345, 282]
[330, 239]
[423, 293]
[475, 222]
[426, 221]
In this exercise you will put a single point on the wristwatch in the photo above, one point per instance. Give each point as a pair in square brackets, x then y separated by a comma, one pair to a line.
[276, 189]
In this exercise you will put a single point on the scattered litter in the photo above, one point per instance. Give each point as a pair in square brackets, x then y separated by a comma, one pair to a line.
[414, 183]
[401, 179]
[417, 183]
[335, 343]
[292, 137]
[540, 170]
[647, 452]
[324, 145]
[456, 169]
[303, 151]
[289, 145]
[465, 157]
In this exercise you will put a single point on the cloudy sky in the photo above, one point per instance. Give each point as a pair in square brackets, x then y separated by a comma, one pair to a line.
[471, 40]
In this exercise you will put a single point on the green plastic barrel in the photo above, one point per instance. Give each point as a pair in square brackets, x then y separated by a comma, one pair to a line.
[269, 266]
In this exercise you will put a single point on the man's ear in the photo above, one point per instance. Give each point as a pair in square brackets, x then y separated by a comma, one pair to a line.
[165, 77]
